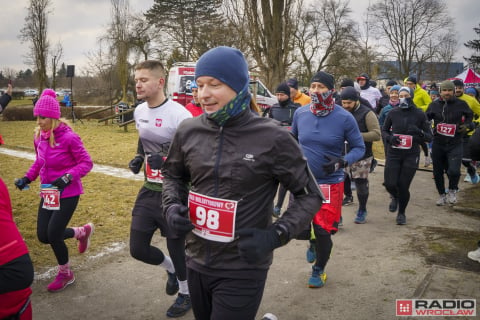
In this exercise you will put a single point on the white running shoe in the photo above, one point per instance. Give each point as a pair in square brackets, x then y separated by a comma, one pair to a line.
[474, 255]
[452, 197]
[442, 200]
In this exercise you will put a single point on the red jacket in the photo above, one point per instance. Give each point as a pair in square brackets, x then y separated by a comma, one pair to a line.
[12, 246]
[194, 109]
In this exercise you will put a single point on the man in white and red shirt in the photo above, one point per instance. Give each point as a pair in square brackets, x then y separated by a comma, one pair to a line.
[156, 120]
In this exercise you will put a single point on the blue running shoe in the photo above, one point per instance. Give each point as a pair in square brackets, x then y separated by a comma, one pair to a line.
[318, 278]
[311, 253]
[474, 179]
[361, 217]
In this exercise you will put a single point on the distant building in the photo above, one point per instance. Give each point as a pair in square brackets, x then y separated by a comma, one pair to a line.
[427, 71]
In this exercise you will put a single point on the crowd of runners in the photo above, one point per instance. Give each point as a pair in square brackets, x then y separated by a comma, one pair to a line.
[210, 183]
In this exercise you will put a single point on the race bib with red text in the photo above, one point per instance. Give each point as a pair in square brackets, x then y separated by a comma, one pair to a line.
[213, 218]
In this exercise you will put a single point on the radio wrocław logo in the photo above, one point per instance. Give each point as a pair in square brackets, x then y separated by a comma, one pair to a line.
[436, 307]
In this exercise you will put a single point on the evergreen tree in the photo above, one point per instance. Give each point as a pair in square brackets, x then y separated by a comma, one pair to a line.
[184, 22]
[474, 60]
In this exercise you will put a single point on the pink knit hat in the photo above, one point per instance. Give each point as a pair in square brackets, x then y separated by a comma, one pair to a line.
[47, 106]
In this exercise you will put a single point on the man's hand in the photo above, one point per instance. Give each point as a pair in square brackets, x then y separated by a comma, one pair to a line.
[136, 164]
[155, 161]
[414, 131]
[333, 164]
[177, 219]
[394, 140]
[254, 244]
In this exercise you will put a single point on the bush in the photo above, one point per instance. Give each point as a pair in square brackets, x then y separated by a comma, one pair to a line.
[25, 113]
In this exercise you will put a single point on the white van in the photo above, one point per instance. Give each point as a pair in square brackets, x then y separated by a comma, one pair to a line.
[181, 75]
[180, 78]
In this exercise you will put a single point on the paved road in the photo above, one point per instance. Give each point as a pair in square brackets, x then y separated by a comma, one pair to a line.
[371, 266]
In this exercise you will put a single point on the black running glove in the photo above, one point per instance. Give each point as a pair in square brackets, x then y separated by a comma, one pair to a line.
[155, 161]
[177, 219]
[394, 140]
[136, 164]
[254, 244]
[414, 131]
[333, 164]
[22, 183]
[62, 182]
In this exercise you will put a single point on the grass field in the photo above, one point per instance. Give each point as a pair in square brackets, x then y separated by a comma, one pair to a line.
[107, 201]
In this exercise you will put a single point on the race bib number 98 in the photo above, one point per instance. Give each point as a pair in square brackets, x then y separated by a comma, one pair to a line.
[213, 218]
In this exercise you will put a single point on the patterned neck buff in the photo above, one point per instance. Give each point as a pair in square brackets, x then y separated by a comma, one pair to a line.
[322, 103]
[231, 109]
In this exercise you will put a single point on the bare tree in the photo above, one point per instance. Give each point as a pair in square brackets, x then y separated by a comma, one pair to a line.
[34, 32]
[266, 27]
[57, 54]
[410, 28]
[119, 37]
[325, 29]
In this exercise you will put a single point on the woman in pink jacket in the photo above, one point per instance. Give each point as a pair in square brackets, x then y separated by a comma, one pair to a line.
[61, 160]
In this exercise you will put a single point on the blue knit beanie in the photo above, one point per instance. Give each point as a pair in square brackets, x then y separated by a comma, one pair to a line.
[225, 64]
[395, 88]
[407, 89]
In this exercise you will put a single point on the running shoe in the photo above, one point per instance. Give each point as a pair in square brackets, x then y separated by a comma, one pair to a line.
[84, 241]
[361, 217]
[172, 284]
[181, 306]
[467, 178]
[474, 179]
[401, 219]
[276, 212]
[311, 253]
[318, 278]
[442, 200]
[474, 255]
[340, 223]
[62, 280]
[348, 200]
[428, 162]
[452, 197]
[393, 206]
[269, 316]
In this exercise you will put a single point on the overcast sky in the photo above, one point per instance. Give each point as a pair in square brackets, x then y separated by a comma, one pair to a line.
[79, 23]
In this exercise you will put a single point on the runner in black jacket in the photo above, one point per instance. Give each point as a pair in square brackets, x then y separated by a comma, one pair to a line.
[451, 119]
[283, 112]
[405, 129]
[233, 161]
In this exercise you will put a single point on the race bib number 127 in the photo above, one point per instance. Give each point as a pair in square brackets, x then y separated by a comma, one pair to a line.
[213, 218]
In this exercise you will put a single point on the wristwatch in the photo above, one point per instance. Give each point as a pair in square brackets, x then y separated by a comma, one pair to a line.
[69, 177]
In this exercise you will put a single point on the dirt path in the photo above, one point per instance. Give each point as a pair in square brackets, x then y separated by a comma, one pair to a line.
[371, 266]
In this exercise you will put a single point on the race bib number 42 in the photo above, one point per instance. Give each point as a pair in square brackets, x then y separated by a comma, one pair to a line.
[446, 129]
[51, 198]
[213, 218]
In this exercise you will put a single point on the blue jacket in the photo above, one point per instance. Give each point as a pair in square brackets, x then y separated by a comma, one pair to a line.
[321, 136]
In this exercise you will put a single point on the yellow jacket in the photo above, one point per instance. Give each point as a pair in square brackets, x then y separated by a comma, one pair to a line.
[474, 105]
[421, 98]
